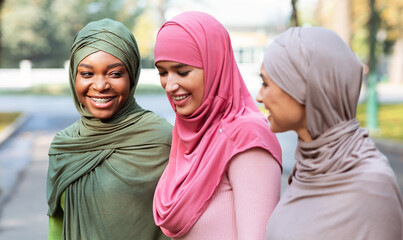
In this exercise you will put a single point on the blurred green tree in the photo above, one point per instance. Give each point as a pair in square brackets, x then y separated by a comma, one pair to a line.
[392, 16]
[294, 13]
[352, 21]
[1, 45]
[43, 30]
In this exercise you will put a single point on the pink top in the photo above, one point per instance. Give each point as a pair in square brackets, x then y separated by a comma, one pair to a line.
[243, 202]
[227, 123]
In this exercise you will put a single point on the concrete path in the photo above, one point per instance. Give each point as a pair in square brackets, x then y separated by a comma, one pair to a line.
[24, 214]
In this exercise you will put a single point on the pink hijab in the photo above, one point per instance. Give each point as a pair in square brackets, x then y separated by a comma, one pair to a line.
[227, 123]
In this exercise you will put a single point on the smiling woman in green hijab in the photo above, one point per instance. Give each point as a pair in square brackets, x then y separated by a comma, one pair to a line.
[103, 169]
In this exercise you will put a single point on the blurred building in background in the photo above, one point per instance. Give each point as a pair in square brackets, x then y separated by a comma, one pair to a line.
[43, 30]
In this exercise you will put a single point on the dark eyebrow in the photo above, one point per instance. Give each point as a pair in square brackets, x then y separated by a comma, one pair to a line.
[115, 65]
[261, 75]
[85, 65]
[109, 66]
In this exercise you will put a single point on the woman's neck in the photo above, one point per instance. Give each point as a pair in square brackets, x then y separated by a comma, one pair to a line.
[304, 135]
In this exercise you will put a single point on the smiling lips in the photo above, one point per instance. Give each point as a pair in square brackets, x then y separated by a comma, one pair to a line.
[102, 100]
[178, 98]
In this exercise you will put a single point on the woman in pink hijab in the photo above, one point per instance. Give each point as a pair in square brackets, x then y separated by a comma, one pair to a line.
[341, 187]
[224, 171]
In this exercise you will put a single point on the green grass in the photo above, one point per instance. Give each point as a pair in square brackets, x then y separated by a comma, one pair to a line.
[390, 119]
[7, 118]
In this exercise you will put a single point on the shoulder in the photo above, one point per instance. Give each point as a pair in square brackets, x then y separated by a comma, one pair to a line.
[253, 118]
[254, 163]
[247, 125]
[70, 131]
[253, 131]
[254, 156]
[156, 125]
[156, 121]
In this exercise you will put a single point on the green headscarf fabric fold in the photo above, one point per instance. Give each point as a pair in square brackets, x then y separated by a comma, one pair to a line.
[108, 169]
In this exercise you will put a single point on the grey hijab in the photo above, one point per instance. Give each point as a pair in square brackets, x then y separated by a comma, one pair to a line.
[341, 187]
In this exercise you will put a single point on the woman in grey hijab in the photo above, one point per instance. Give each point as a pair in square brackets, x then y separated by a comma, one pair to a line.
[341, 187]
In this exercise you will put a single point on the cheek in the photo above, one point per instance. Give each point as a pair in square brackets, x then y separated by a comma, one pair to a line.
[163, 82]
[126, 93]
[200, 90]
[81, 87]
[300, 114]
[126, 88]
[267, 96]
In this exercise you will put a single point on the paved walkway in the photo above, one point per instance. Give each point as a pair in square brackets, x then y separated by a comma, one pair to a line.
[24, 213]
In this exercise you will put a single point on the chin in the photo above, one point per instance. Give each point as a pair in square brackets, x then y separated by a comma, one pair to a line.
[274, 129]
[102, 116]
[183, 112]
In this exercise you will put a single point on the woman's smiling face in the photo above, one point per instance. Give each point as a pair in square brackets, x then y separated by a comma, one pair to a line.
[285, 112]
[184, 84]
[102, 84]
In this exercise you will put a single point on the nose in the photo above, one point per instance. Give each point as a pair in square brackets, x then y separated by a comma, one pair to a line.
[171, 84]
[259, 96]
[100, 84]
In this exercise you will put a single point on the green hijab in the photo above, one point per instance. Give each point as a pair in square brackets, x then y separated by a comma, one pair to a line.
[108, 169]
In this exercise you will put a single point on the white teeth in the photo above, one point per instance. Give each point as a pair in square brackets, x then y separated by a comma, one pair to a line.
[179, 98]
[101, 100]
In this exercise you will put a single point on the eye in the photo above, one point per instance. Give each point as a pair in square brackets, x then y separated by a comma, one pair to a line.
[162, 74]
[116, 74]
[86, 74]
[264, 84]
[183, 73]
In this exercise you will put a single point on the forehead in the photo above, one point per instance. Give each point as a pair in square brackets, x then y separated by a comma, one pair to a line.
[100, 57]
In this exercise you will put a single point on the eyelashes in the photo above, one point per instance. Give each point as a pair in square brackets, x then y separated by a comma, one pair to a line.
[180, 73]
[86, 74]
[184, 73]
[114, 74]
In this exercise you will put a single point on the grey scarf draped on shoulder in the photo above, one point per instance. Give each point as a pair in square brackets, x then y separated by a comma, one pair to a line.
[341, 187]
[108, 169]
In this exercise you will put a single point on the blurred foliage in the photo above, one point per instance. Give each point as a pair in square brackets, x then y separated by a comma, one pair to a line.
[7, 118]
[43, 30]
[390, 120]
[390, 28]
[325, 13]
[145, 32]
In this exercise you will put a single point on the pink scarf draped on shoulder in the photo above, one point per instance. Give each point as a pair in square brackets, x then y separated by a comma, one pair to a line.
[227, 123]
